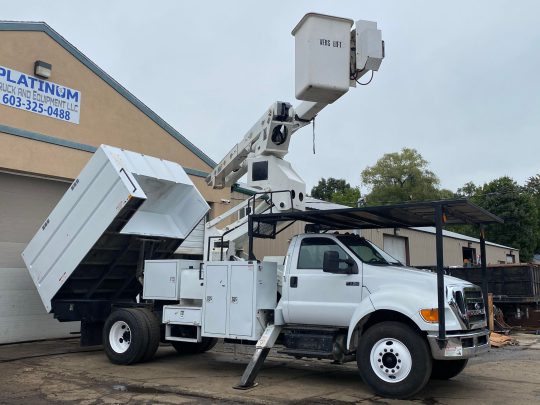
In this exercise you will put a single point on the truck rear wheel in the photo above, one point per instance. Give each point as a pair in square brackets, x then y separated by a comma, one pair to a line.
[194, 348]
[153, 329]
[393, 360]
[125, 336]
[446, 369]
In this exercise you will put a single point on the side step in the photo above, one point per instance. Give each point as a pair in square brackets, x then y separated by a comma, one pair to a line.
[307, 353]
[262, 348]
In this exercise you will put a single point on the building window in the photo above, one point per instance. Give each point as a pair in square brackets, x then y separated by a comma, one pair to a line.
[469, 256]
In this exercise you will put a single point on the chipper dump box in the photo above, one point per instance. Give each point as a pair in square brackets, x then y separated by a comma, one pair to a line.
[123, 208]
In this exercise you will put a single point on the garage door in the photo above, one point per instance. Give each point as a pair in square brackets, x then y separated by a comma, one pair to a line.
[396, 247]
[25, 203]
[194, 243]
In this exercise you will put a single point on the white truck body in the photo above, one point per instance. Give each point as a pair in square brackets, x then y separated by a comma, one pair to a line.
[108, 244]
[166, 204]
[316, 298]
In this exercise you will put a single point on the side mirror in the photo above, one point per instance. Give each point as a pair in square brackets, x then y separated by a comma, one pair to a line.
[331, 263]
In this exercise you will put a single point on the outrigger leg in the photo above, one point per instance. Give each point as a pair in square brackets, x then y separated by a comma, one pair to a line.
[262, 348]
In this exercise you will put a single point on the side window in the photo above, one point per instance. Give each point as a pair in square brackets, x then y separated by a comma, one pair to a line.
[312, 250]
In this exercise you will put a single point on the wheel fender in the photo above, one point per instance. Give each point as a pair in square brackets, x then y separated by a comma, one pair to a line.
[405, 303]
[365, 308]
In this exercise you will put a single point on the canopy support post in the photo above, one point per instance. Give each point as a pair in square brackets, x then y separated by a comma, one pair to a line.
[440, 273]
[483, 266]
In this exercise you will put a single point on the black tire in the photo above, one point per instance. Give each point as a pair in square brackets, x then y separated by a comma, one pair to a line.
[153, 326]
[194, 348]
[132, 323]
[379, 352]
[446, 369]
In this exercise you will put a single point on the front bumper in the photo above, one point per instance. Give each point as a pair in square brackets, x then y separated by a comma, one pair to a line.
[459, 345]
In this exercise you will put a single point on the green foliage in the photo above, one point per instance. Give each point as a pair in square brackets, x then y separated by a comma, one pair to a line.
[515, 205]
[445, 194]
[532, 187]
[400, 177]
[468, 190]
[337, 191]
[405, 176]
[347, 197]
[327, 188]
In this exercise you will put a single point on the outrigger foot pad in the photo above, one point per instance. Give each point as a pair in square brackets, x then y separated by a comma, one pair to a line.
[248, 379]
[240, 387]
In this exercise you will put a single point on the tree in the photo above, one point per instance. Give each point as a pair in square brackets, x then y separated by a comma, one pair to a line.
[515, 205]
[347, 197]
[337, 191]
[532, 187]
[400, 177]
[468, 190]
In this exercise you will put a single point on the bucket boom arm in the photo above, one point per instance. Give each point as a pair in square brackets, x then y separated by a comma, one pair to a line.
[261, 151]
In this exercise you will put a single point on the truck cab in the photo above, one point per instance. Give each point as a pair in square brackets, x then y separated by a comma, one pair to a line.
[345, 299]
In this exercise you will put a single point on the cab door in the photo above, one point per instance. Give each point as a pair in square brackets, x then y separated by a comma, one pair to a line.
[316, 297]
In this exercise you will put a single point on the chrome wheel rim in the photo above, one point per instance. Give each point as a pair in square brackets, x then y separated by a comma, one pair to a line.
[391, 360]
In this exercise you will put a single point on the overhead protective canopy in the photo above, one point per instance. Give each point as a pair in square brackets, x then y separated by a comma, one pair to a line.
[455, 212]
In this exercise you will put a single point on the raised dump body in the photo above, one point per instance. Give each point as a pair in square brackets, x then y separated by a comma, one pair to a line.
[123, 208]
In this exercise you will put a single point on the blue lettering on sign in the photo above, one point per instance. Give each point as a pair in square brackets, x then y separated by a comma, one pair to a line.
[8, 77]
[22, 80]
[25, 92]
[72, 96]
[46, 87]
[60, 92]
[49, 88]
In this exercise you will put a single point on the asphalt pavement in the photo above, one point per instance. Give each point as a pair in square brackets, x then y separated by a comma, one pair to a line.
[60, 372]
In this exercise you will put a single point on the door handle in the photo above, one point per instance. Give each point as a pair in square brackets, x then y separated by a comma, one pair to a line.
[294, 282]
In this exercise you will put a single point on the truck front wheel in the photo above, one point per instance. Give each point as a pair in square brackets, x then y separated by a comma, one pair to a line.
[446, 369]
[393, 360]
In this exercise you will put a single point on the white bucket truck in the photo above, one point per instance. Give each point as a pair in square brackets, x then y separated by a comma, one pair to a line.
[102, 257]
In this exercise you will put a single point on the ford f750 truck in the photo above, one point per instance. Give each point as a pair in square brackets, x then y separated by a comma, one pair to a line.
[102, 257]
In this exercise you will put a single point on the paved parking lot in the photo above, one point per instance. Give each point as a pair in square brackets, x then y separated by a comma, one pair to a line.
[59, 372]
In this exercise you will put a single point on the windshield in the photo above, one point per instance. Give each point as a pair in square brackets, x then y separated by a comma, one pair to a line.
[367, 251]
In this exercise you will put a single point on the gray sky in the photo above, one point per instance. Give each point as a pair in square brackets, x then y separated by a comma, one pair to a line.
[460, 82]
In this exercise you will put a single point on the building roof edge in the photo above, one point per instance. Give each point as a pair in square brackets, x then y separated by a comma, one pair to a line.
[45, 28]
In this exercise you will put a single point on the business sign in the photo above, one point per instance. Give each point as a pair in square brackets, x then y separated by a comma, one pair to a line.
[19, 90]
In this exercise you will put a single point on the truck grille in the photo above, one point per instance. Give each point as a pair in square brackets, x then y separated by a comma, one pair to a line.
[474, 307]
[468, 305]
